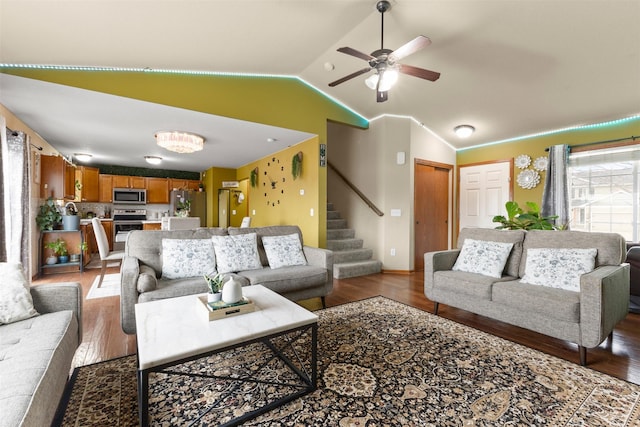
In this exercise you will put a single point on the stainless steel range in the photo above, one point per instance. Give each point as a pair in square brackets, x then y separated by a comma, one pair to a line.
[124, 221]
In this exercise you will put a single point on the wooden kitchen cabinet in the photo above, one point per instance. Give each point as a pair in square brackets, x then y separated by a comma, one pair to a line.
[126, 181]
[183, 184]
[157, 190]
[108, 229]
[88, 180]
[105, 188]
[57, 178]
[152, 226]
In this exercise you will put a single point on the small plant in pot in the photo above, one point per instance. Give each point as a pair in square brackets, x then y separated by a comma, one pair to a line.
[59, 249]
[215, 284]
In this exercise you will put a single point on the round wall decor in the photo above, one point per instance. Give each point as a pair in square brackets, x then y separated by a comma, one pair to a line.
[528, 179]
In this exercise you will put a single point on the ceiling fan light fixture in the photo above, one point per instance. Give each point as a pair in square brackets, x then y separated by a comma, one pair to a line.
[153, 160]
[388, 79]
[179, 142]
[464, 131]
[83, 157]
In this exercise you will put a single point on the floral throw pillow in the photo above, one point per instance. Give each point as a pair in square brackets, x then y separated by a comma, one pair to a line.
[187, 258]
[284, 251]
[483, 257]
[558, 268]
[15, 298]
[236, 253]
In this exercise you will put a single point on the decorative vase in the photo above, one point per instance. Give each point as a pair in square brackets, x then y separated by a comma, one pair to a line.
[63, 259]
[232, 291]
[51, 260]
[214, 297]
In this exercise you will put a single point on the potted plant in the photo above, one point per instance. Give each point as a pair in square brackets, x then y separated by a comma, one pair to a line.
[518, 219]
[70, 219]
[183, 208]
[59, 249]
[215, 284]
[48, 216]
[201, 187]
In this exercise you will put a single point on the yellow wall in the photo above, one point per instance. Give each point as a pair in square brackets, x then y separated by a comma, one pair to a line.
[278, 101]
[535, 147]
[294, 208]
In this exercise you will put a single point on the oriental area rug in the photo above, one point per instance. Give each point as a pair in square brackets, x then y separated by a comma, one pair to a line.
[380, 363]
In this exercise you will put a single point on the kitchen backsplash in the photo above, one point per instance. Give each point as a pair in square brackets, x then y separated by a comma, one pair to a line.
[154, 211]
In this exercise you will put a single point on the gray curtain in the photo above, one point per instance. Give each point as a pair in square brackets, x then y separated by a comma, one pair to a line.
[14, 177]
[555, 197]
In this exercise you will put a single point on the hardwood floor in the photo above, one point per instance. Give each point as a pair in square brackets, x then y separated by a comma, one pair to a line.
[104, 339]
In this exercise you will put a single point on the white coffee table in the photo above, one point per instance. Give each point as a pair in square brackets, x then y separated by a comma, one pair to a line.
[173, 331]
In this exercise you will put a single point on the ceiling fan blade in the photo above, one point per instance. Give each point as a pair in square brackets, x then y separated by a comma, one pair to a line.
[356, 53]
[419, 72]
[407, 49]
[350, 76]
[382, 96]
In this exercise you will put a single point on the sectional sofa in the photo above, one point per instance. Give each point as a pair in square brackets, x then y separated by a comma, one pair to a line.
[36, 355]
[566, 284]
[145, 275]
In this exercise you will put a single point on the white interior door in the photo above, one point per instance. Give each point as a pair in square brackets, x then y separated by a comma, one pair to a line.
[484, 190]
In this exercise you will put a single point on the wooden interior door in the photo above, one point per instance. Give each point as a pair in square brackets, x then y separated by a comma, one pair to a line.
[431, 209]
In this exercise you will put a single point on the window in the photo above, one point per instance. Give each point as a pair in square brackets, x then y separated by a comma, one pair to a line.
[603, 191]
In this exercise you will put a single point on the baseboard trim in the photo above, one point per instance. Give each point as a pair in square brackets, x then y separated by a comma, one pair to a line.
[406, 272]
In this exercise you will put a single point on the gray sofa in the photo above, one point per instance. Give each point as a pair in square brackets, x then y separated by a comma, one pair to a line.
[143, 254]
[585, 317]
[36, 356]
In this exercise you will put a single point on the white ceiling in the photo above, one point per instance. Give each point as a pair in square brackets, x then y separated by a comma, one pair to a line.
[509, 67]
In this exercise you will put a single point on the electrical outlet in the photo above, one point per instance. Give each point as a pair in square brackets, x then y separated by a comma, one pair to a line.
[393, 251]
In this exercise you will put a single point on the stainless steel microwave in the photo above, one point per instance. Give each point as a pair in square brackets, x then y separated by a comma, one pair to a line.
[129, 196]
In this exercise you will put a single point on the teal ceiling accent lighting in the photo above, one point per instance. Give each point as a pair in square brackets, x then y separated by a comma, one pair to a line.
[552, 132]
[364, 122]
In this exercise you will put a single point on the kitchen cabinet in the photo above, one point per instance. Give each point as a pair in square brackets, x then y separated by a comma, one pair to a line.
[183, 184]
[105, 188]
[57, 178]
[89, 186]
[125, 181]
[157, 190]
[152, 226]
[90, 236]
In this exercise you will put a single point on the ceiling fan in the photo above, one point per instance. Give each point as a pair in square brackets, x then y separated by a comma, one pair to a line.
[385, 61]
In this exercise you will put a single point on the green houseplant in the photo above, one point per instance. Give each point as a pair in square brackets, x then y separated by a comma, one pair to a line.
[59, 249]
[518, 219]
[215, 284]
[48, 215]
[296, 165]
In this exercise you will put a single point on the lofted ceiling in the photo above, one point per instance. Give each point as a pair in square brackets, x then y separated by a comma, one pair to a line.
[508, 67]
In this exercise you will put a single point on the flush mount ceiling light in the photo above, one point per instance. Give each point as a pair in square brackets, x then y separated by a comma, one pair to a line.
[154, 160]
[83, 157]
[179, 142]
[464, 131]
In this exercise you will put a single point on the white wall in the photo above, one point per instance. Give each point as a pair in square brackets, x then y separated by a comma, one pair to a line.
[368, 159]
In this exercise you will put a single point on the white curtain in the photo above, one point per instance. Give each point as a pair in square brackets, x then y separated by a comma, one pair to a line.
[14, 177]
[555, 197]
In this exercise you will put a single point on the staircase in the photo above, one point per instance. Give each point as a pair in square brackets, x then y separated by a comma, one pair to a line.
[350, 259]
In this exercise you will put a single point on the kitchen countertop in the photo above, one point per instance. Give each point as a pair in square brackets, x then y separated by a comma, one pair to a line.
[152, 221]
[86, 221]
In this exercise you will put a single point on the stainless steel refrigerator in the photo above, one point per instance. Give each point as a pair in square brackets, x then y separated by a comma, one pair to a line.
[198, 203]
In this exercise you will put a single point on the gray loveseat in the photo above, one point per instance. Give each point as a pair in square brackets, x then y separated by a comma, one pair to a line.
[36, 356]
[143, 256]
[585, 317]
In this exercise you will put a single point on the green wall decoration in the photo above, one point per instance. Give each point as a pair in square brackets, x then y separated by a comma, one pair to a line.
[254, 177]
[296, 165]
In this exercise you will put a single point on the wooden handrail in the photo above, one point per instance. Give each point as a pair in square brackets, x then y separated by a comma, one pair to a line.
[357, 191]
